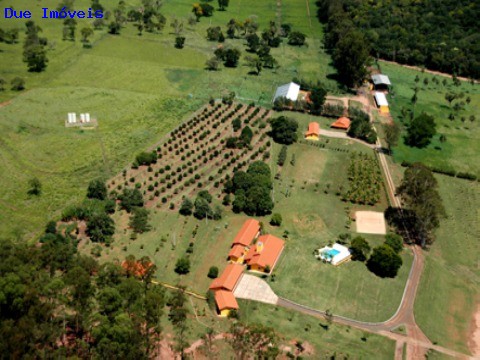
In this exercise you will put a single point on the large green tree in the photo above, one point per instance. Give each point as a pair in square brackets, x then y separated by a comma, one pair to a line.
[392, 134]
[100, 227]
[139, 220]
[34, 52]
[351, 57]
[359, 248]
[420, 131]
[384, 261]
[284, 130]
[97, 190]
[419, 193]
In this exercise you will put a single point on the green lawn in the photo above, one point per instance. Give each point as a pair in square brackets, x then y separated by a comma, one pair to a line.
[313, 219]
[460, 151]
[450, 284]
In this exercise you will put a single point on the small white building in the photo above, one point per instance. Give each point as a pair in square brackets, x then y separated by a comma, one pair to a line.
[336, 254]
[382, 102]
[381, 80]
[289, 91]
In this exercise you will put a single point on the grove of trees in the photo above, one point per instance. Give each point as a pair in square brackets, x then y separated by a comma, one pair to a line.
[424, 206]
[440, 35]
[365, 180]
[252, 190]
[284, 130]
[57, 301]
[361, 127]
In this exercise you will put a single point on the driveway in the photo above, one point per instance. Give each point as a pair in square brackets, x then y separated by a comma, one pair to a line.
[253, 288]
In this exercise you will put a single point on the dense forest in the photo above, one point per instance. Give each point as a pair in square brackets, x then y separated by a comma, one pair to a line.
[441, 35]
[56, 301]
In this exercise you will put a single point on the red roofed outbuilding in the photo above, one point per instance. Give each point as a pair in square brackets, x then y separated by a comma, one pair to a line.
[236, 253]
[341, 123]
[313, 131]
[225, 301]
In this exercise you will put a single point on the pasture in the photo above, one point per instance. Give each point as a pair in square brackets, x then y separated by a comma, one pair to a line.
[449, 289]
[460, 150]
[138, 87]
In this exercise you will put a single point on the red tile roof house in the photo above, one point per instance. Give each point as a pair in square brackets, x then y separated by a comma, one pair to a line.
[342, 123]
[224, 286]
[263, 256]
[249, 232]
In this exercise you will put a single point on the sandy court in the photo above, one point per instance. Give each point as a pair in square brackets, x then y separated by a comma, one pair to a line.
[370, 222]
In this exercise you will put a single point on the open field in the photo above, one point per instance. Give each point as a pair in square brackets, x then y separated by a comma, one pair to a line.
[460, 151]
[452, 269]
[138, 87]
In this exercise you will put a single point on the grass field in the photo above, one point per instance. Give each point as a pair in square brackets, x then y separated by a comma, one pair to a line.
[460, 151]
[138, 87]
[452, 269]
[313, 219]
[339, 341]
[290, 327]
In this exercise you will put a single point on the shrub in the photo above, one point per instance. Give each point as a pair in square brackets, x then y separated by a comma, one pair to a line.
[282, 155]
[213, 272]
[276, 220]
[394, 241]
[145, 158]
[182, 266]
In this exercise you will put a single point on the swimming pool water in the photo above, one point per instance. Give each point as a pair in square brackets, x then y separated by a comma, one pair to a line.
[332, 252]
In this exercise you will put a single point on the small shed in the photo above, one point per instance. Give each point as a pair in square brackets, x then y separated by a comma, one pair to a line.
[381, 82]
[225, 301]
[382, 102]
[341, 123]
[289, 91]
[313, 132]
